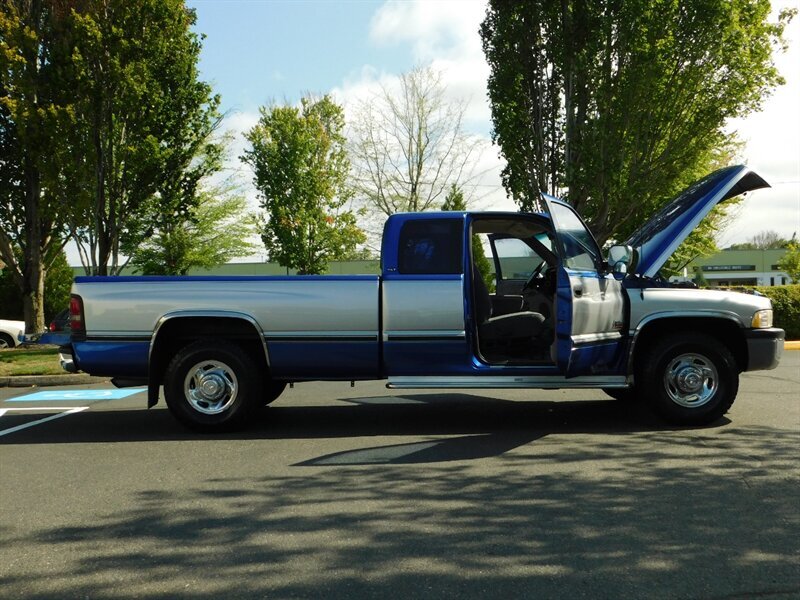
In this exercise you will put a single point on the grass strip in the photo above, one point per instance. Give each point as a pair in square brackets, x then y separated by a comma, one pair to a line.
[30, 361]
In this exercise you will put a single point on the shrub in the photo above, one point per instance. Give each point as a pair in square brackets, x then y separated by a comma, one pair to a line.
[786, 304]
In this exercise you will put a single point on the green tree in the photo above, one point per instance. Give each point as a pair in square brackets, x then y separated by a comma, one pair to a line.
[57, 286]
[36, 100]
[300, 164]
[144, 122]
[789, 263]
[215, 230]
[455, 201]
[763, 240]
[699, 278]
[618, 106]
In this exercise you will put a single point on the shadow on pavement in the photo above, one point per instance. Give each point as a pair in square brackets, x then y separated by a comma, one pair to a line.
[656, 515]
[483, 422]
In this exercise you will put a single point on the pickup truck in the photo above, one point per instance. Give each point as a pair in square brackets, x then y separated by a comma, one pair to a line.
[556, 314]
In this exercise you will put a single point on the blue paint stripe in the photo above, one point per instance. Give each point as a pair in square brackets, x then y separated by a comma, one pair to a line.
[72, 395]
[148, 278]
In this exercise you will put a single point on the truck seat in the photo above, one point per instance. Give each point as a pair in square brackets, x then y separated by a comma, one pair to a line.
[523, 324]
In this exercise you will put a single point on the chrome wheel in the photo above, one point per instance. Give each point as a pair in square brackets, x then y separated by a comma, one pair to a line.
[211, 387]
[691, 380]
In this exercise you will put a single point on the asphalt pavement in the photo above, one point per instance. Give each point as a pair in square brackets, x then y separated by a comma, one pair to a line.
[364, 492]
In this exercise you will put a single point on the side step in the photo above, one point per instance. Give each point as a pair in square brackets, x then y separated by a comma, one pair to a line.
[548, 382]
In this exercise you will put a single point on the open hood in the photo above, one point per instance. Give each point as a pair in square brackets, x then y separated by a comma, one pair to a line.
[657, 239]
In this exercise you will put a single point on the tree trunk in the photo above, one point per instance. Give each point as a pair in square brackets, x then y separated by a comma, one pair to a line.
[33, 299]
[33, 269]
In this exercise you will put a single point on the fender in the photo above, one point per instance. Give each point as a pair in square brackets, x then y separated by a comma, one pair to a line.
[685, 314]
[153, 381]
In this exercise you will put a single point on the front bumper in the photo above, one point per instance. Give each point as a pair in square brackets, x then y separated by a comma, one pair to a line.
[764, 348]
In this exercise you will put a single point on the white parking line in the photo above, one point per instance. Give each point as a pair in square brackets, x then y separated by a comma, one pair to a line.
[71, 411]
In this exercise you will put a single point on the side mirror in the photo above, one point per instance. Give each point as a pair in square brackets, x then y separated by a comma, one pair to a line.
[620, 259]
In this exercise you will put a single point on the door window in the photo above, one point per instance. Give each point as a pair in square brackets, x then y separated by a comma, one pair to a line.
[579, 248]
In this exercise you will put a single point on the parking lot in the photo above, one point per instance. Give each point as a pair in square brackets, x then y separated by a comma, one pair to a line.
[366, 492]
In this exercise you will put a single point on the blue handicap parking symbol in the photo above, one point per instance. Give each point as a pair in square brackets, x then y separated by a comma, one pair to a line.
[83, 395]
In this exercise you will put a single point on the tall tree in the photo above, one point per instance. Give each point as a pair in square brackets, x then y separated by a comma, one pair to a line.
[618, 105]
[35, 120]
[455, 201]
[213, 232]
[408, 145]
[144, 119]
[300, 163]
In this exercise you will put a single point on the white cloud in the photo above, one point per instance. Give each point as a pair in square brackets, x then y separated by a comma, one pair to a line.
[772, 148]
[445, 36]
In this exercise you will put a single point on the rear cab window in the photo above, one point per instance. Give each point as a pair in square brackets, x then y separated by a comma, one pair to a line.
[431, 247]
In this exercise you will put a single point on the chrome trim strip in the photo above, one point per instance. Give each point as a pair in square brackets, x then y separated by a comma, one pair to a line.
[211, 314]
[321, 338]
[590, 338]
[532, 381]
[117, 338]
[432, 335]
[725, 314]
[324, 335]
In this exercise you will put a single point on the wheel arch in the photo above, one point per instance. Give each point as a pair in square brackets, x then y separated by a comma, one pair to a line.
[175, 330]
[723, 327]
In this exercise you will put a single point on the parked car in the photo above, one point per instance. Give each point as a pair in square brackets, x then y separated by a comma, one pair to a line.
[10, 332]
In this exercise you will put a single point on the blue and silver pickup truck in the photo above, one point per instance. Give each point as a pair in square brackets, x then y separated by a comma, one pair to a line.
[557, 314]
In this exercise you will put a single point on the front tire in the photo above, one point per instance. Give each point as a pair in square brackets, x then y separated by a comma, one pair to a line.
[212, 386]
[690, 379]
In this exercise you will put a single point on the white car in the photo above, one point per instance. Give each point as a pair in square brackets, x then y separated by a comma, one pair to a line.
[10, 332]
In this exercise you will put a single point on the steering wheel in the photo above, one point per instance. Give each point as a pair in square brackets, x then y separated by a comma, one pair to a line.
[536, 277]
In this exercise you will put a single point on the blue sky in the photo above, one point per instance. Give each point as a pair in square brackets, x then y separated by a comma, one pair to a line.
[257, 51]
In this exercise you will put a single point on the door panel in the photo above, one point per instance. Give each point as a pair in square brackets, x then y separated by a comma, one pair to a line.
[590, 303]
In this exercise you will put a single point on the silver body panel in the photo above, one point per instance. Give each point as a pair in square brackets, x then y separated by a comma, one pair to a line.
[423, 308]
[280, 307]
[656, 303]
[599, 310]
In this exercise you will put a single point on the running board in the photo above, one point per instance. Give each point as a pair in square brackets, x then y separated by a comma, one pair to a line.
[546, 383]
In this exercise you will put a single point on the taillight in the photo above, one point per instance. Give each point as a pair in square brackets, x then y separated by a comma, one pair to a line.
[52, 326]
[76, 322]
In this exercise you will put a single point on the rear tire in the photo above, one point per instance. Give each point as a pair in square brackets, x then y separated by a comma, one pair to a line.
[689, 379]
[212, 386]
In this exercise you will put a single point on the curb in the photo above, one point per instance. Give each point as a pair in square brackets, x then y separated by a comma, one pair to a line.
[49, 380]
[791, 345]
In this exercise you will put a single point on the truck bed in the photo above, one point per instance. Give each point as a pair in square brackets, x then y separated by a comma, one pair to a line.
[320, 326]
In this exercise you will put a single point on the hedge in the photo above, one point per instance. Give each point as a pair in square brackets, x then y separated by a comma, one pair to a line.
[786, 304]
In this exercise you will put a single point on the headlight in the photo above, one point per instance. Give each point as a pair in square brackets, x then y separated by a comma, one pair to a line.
[762, 319]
